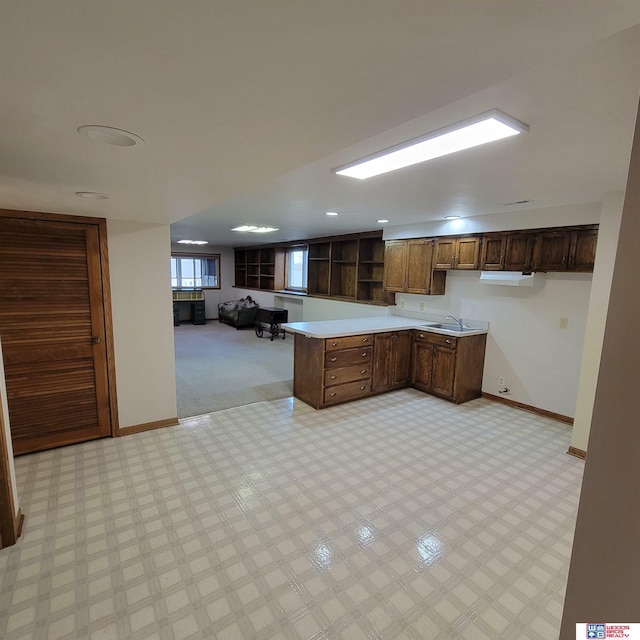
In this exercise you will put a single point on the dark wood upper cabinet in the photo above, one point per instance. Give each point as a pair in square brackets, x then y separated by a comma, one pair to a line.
[565, 250]
[492, 253]
[582, 252]
[551, 251]
[395, 265]
[407, 267]
[519, 251]
[457, 253]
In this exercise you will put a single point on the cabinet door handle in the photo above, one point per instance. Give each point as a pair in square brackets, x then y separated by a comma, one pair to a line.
[333, 359]
[363, 387]
[332, 394]
[333, 377]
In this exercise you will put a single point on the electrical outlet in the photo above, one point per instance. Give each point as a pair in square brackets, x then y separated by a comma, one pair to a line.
[564, 323]
[422, 306]
[501, 382]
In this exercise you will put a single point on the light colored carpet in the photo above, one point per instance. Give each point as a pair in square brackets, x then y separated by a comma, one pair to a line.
[219, 367]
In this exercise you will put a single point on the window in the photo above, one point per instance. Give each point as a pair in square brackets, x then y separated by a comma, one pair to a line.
[297, 268]
[195, 271]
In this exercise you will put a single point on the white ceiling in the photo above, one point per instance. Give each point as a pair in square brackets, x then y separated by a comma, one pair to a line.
[246, 105]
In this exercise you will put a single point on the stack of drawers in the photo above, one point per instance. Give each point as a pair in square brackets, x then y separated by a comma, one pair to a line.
[347, 368]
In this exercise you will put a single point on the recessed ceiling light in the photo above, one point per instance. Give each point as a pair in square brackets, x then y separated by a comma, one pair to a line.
[92, 195]
[111, 135]
[451, 217]
[254, 229]
[382, 221]
[486, 127]
[332, 213]
[193, 242]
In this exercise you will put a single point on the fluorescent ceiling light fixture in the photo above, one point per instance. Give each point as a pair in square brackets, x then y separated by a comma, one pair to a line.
[486, 127]
[332, 213]
[253, 229]
[382, 221]
[193, 242]
[92, 195]
[451, 217]
[111, 135]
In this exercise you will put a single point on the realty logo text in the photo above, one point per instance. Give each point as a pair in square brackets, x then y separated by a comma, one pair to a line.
[603, 630]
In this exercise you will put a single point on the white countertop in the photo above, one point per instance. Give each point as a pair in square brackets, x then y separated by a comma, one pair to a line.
[378, 324]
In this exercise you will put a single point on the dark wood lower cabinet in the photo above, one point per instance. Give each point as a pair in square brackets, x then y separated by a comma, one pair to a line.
[447, 366]
[392, 360]
[335, 370]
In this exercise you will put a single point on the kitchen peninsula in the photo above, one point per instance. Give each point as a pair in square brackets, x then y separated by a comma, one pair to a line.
[338, 361]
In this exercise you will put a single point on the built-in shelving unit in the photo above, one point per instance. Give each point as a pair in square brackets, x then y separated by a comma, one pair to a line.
[348, 267]
[259, 268]
[318, 268]
[370, 285]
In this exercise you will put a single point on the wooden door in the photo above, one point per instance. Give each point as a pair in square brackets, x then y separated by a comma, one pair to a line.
[382, 361]
[582, 254]
[401, 358]
[444, 367]
[493, 250]
[519, 252]
[467, 253]
[444, 253]
[395, 265]
[422, 365]
[52, 323]
[419, 255]
[551, 251]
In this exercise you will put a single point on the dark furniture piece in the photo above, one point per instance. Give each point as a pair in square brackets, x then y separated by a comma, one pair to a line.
[273, 317]
[193, 298]
[238, 313]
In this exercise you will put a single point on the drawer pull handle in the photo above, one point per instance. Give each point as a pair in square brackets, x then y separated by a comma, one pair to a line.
[448, 341]
[422, 335]
[365, 339]
[334, 344]
[364, 371]
[363, 387]
[364, 355]
[333, 359]
[333, 377]
[332, 394]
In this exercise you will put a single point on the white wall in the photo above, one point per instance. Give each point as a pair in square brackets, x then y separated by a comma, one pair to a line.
[608, 235]
[142, 322]
[539, 361]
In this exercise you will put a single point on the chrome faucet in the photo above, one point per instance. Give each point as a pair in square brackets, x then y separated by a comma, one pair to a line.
[458, 320]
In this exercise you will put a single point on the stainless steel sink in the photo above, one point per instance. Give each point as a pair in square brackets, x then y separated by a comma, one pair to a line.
[451, 327]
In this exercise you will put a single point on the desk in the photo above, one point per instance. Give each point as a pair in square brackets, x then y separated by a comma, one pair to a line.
[272, 316]
[197, 311]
